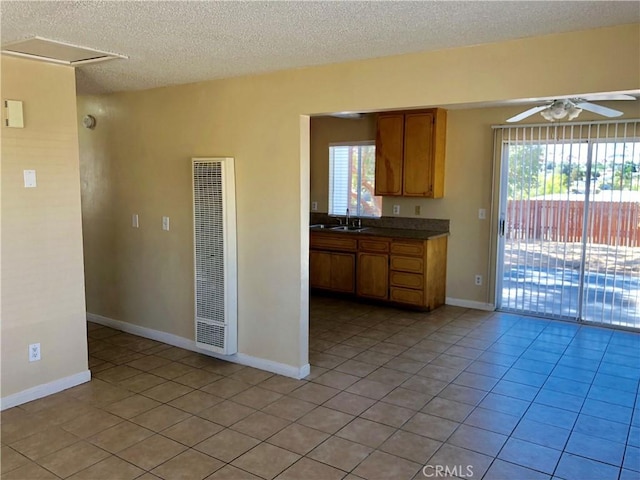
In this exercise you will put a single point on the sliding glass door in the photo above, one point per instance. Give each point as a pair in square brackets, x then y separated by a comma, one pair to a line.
[569, 243]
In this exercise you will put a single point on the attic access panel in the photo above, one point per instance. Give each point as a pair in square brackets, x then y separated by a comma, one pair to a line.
[38, 48]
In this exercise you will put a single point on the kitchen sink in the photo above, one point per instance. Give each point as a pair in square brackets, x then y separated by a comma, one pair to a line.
[349, 228]
[336, 228]
[321, 226]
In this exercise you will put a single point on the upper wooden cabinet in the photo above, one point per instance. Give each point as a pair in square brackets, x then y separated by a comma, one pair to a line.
[410, 150]
[389, 149]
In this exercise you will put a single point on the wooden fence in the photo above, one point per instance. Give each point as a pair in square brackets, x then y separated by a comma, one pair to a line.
[610, 223]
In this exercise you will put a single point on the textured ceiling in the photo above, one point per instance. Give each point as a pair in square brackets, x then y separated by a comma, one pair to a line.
[187, 41]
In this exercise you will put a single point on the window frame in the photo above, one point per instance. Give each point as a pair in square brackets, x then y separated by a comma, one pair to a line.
[359, 212]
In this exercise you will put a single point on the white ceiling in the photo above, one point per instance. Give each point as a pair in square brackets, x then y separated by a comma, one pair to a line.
[187, 41]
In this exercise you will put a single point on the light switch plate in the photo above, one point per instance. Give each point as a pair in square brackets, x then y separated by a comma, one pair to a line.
[13, 114]
[482, 214]
[29, 179]
[165, 223]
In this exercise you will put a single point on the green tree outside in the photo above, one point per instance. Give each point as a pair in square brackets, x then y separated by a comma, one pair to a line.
[525, 163]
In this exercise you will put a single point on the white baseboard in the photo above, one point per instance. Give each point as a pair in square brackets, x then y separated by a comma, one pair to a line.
[145, 332]
[44, 390]
[459, 302]
[187, 344]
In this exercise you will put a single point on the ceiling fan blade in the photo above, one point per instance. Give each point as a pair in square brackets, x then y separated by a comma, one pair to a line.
[527, 113]
[608, 96]
[599, 109]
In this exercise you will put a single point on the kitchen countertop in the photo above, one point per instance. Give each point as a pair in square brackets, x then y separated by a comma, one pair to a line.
[385, 232]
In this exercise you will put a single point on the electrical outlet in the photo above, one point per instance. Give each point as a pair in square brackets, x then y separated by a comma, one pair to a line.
[314, 206]
[165, 223]
[396, 209]
[34, 352]
[478, 279]
[135, 221]
[482, 214]
[416, 210]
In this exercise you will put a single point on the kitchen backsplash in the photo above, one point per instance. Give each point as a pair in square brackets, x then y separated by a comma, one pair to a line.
[431, 224]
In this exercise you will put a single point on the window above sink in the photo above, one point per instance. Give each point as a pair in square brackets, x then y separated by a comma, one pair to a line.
[352, 180]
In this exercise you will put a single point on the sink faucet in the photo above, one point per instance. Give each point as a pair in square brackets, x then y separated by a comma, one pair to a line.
[347, 219]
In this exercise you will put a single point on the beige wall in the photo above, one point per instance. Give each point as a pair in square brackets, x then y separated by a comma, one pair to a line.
[42, 272]
[98, 194]
[325, 131]
[261, 121]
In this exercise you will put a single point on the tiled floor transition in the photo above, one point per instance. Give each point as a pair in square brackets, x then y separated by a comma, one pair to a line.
[391, 395]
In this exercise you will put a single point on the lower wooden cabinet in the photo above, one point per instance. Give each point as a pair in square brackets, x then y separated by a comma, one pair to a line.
[373, 275]
[332, 271]
[417, 273]
[319, 269]
[343, 272]
[402, 271]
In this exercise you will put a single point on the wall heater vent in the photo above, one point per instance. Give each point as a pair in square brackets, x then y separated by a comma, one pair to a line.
[214, 222]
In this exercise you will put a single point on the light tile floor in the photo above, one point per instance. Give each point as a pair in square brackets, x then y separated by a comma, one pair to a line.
[391, 395]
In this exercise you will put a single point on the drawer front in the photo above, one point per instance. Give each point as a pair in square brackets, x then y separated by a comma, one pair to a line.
[408, 248]
[404, 295]
[373, 245]
[333, 242]
[407, 280]
[407, 264]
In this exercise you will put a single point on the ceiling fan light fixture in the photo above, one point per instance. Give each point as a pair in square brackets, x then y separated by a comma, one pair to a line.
[561, 109]
[571, 107]
[573, 112]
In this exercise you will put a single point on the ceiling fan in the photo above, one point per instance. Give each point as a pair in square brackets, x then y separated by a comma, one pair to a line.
[571, 107]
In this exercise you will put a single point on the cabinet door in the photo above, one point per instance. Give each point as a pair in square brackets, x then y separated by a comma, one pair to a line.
[343, 272]
[418, 155]
[389, 151]
[373, 275]
[319, 269]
